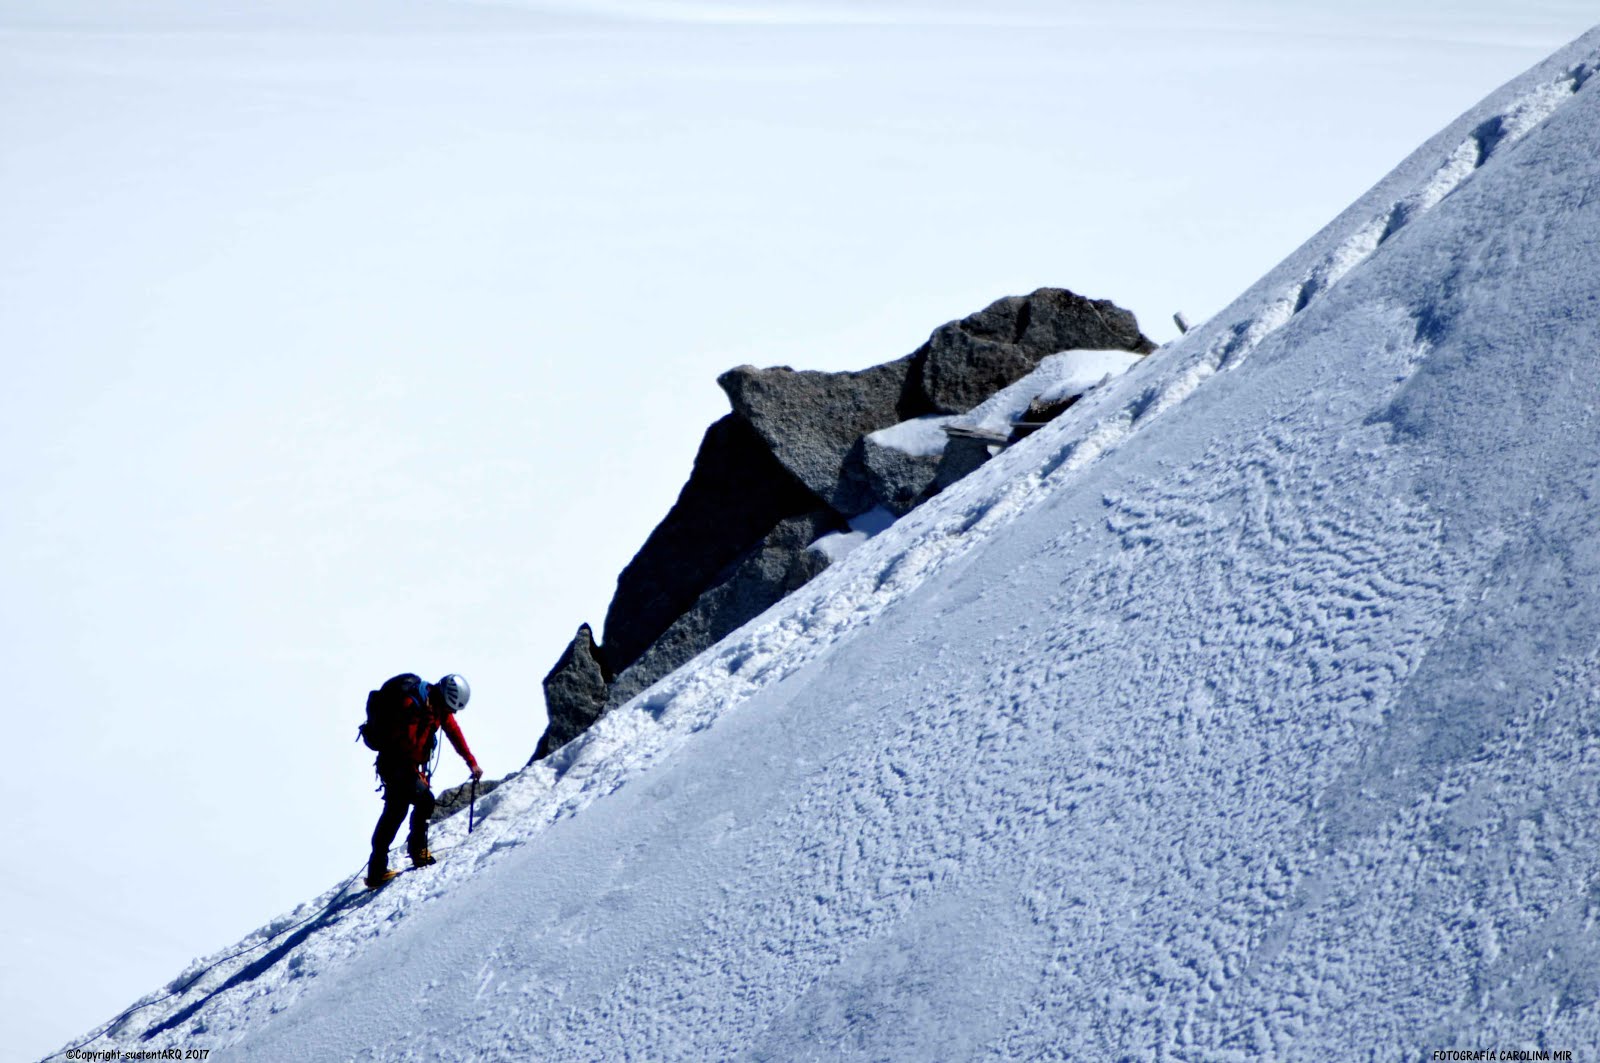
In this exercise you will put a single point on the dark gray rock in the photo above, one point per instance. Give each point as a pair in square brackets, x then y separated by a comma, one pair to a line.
[574, 693]
[811, 420]
[962, 454]
[777, 566]
[737, 493]
[966, 361]
[456, 799]
[896, 480]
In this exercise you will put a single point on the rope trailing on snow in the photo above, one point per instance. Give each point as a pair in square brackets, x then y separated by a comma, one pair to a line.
[114, 1023]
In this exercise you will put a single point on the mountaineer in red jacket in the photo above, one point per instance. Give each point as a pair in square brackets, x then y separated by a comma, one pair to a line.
[414, 714]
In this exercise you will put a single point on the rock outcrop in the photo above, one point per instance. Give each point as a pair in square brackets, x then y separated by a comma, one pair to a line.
[803, 453]
[778, 565]
[966, 361]
[812, 420]
[737, 493]
[574, 692]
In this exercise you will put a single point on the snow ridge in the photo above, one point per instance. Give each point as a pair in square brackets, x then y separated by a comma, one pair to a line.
[1488, 139]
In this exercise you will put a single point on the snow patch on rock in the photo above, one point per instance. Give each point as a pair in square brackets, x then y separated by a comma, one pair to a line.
[836, 546]
[920, 437]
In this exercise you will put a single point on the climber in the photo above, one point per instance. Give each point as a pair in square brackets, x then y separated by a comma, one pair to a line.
[404, 717]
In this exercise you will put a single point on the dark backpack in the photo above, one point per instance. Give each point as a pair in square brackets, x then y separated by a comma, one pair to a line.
[387, 712]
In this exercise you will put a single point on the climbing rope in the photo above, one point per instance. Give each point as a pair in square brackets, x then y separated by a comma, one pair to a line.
[114, 1023]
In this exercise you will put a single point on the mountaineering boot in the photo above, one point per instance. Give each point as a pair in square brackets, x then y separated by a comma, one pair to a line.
[378, 871]
[421, 857]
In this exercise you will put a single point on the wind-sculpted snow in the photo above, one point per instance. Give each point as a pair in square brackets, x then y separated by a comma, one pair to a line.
[1246, 711]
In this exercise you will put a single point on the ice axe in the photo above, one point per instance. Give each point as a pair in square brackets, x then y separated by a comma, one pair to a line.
[472, 806]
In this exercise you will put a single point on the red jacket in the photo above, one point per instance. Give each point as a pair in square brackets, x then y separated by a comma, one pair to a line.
[416, 738]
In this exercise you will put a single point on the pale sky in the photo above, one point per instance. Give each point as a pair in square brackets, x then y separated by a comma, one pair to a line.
[355, 337]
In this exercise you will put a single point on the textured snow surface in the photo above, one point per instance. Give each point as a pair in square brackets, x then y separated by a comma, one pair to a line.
[1246, 710]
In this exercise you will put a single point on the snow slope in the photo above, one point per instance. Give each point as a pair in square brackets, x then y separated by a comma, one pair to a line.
[1246, 710]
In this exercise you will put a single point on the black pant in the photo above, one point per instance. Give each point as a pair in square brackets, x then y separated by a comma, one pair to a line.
[403, 788]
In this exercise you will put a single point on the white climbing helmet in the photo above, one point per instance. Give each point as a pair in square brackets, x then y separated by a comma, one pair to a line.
[454, 692]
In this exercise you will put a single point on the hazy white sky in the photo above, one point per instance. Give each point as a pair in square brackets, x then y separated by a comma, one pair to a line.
[357, 337]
